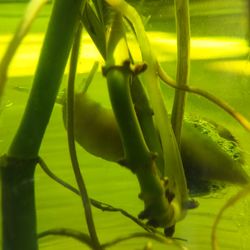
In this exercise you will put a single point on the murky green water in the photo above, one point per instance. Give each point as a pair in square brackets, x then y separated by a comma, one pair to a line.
[219, 64]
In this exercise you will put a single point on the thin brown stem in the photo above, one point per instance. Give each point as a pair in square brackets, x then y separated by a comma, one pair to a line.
[97, 204]
[226, 107]
[82, 237]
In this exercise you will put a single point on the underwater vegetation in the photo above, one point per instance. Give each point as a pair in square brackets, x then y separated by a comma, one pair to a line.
[174, 156]
[204, 148]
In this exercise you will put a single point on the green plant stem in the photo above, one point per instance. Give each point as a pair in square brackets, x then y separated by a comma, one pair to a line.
[52, 61]
[144, 113]
[137, 155]
[173, 168]
[18, 204]
[71, 141]
[17, 173]
[183, 44]
[118, 79]
[136, 152]
[145, 117]
[143, 110]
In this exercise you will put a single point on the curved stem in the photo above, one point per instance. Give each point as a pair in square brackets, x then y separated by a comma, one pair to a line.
[17, 173]
[183, 44]
[138, 158]
[236, 115]
[85, 240]
[71, 141]
[97, 204]
[52, 61]
[119, 79]
[82, 237]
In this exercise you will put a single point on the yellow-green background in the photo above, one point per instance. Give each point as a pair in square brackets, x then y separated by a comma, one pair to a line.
[220, 64]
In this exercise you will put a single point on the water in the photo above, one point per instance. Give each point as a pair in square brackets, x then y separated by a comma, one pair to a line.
[219, 64]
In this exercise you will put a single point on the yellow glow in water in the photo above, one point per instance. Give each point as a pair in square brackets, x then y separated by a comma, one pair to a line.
[201, 47]
[163, 44]
[25, 60]
[241, 67]
[207, 48]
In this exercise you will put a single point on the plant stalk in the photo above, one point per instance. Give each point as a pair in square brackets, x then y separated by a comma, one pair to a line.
[71, 142]
[137, 157]
[182, 75]
[17, 168]
[18, 204]
[52, 61]
[173, 168]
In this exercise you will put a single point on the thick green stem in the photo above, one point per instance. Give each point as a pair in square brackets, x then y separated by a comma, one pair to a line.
[137, 157]
[53, 58]
[18, 201]
[119, 80]
[158, 210]
[173, 168]
[18, 204]
[136, 151]
[145, 117]
[183, 44]
[143, 110]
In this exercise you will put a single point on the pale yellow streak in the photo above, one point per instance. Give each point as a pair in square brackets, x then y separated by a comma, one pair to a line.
[25, 60]
[163, 44]
[239, 67]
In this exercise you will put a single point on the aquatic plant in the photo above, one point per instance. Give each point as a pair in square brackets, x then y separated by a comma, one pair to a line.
[145, 140]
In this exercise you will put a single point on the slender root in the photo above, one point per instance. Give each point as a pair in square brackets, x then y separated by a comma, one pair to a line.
[97, 204]
[71, 142]
[85, 239]
[82, 237]
[157, 238]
